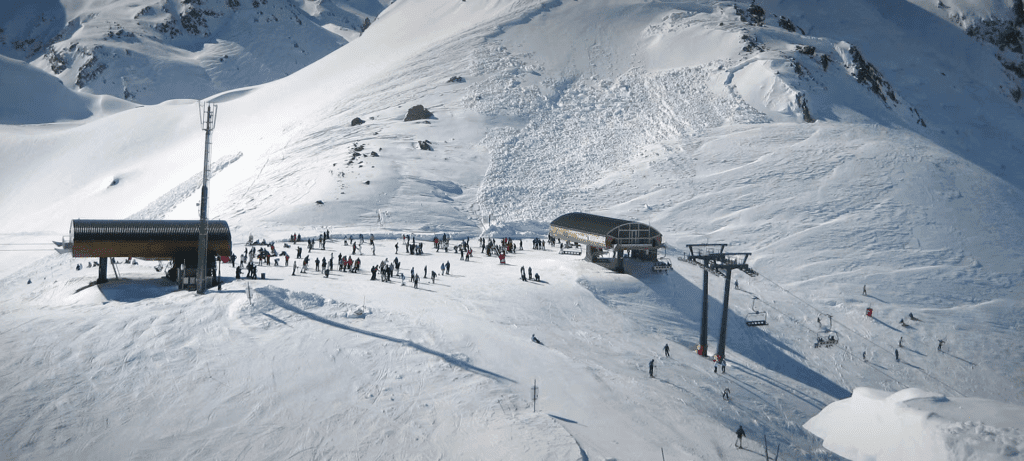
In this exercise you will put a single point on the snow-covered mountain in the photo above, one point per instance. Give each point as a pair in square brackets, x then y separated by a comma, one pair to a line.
[848, 145]
[153, 51]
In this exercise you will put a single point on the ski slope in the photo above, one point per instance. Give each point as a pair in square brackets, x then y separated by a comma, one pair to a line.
[653, 113]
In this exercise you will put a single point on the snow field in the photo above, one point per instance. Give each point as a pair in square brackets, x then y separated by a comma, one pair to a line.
[554, 117]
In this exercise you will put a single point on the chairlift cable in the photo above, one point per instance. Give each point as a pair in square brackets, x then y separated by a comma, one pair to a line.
[854, 332]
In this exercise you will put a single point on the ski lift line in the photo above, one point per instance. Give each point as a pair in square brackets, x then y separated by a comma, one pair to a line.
[801, 324]
[865, 338]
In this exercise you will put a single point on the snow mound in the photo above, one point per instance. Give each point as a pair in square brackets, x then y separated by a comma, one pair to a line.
[913, 424]
[32, 96]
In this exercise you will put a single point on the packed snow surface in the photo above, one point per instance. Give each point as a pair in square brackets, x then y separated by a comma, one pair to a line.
[903, 196]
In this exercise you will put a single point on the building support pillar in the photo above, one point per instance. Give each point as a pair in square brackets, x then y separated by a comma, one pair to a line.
[103, 270]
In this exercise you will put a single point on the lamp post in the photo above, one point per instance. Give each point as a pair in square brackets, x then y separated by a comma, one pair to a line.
[207, 120]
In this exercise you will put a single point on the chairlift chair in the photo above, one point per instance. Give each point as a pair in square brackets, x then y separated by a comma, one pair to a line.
[756, 318]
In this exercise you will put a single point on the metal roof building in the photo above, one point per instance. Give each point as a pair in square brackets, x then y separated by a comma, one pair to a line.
[148, 239]
[600, 234]
[604, 232]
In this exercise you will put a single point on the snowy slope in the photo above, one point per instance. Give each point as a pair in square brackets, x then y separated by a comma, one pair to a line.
[157, 50]
[657, 111]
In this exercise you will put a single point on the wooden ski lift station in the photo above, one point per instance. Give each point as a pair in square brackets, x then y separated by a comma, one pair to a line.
[175, 241]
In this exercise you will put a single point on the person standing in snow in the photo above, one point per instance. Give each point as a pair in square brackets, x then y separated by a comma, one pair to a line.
[941, 342]
[740, 433]
[897, 355]
[666, 350]
[865, 291]
[650, 368]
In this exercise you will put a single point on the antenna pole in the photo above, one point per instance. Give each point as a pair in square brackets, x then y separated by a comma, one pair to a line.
[208, 118]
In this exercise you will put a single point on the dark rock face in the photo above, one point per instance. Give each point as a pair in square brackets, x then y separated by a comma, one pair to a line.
[418, 112]
[867, 74]
[357, 121]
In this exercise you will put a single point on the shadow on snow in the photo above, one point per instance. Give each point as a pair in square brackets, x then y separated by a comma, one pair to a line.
[753, 343]
[284, 304]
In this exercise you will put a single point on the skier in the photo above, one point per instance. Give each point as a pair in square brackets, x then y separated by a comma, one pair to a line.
[897, 355]
[912, 316]
[941, 342]
[650, 368]
[295, 265]
[901, 341]
[238, 271]
[529, 273]
[666, 350]
[864, 355]
[534, 338]
[725, 394]
[739, 437]
[865, 292]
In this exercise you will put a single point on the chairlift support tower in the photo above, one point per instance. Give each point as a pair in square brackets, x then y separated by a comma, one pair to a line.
[701, 255]
[207, 120]
[713, 258]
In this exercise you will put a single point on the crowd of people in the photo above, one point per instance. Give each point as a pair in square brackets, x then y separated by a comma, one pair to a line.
[262, 253]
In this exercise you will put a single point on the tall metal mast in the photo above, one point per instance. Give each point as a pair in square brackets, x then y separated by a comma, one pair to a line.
[207, 120]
